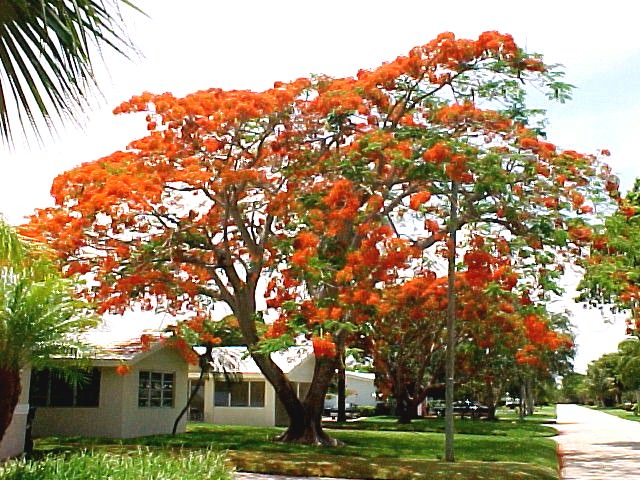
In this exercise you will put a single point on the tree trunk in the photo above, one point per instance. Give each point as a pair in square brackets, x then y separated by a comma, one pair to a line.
[406, 410]
[203, 361]
[530, 398]
[491, 399]
[342, 387]
[10, 388]
[305, 419]
[451, 326]
[523, 399]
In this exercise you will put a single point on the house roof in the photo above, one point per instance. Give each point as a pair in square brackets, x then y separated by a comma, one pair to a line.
[126, 350]
[237, 359]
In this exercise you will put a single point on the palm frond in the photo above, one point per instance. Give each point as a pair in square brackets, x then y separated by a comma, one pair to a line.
[46, 56]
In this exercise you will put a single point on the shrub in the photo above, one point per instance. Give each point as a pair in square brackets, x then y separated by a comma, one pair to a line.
[136, 465]
[366, 410]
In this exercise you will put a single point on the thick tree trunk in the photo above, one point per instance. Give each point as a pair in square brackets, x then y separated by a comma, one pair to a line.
[406, 410]
[305, 423]
[305, 417]
[10, 393]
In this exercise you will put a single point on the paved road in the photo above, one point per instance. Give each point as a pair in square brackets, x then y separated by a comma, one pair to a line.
[596, 445]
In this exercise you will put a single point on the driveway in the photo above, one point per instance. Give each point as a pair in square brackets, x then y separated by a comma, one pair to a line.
[596, 445]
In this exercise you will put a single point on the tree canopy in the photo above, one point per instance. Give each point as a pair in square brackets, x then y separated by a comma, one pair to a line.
[325, 196]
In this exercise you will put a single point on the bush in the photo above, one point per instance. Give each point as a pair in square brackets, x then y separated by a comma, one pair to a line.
[366, 410]
[136, 465]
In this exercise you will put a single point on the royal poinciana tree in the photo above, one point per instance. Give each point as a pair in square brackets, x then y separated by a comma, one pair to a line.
[502, 332]
[612, 273]
[327, 190]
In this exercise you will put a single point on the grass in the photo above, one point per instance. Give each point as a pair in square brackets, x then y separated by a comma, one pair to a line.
[509, 449]
[139, 464]
[618, 412]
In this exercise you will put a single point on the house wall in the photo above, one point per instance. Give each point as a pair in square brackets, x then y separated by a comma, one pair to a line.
[12, 443]
[271, 414]
[140, 421]
[102, 421]
[360, 393]
[118, 414]
[363, 391]
[255, 416]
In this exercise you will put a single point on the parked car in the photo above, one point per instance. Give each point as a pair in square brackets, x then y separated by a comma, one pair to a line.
[464, 408]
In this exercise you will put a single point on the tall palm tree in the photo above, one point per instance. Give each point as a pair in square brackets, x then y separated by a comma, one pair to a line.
[46, 57]
[39, 316]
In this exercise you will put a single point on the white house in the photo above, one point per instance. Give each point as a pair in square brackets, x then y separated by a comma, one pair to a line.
[360, 391]
[143, 401]
[245, 397]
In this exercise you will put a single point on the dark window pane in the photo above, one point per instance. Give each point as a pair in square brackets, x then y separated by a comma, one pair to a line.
[257, 394]
[240, 394]
[39, 391]
[61, 392]
[88, 392]
[221, 395]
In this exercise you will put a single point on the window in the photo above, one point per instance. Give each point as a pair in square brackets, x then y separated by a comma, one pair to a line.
[155, 389]
[239, 394]
[50, 389]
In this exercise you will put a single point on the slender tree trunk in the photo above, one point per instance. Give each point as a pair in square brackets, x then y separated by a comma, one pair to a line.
[204, 366]
[451, 324]
[523, 399]
[342, 387]
[530, 398]
[10, 389]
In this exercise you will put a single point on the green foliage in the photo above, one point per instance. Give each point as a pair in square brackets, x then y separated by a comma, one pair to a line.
[39, 314]
[613, 274]
[139, 465]
[575, 388]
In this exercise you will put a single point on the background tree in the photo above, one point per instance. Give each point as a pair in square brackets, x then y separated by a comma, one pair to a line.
[574, 388]
[612, 274]
[46, 56]
[602, 379]
[629, 366]
[39, 316]
[328, 189]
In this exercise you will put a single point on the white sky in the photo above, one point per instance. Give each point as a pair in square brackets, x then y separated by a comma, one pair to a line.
[198, 44]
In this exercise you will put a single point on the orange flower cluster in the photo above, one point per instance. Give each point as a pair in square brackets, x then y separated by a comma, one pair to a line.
[323, 347]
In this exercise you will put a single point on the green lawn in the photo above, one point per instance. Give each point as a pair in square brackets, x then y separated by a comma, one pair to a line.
[618, 412]
[508, 449]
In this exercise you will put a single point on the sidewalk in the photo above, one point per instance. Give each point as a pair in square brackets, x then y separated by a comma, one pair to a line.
[595, 445]
[260, 476]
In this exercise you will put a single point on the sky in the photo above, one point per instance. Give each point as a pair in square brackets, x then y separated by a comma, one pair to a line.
[197, 44]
